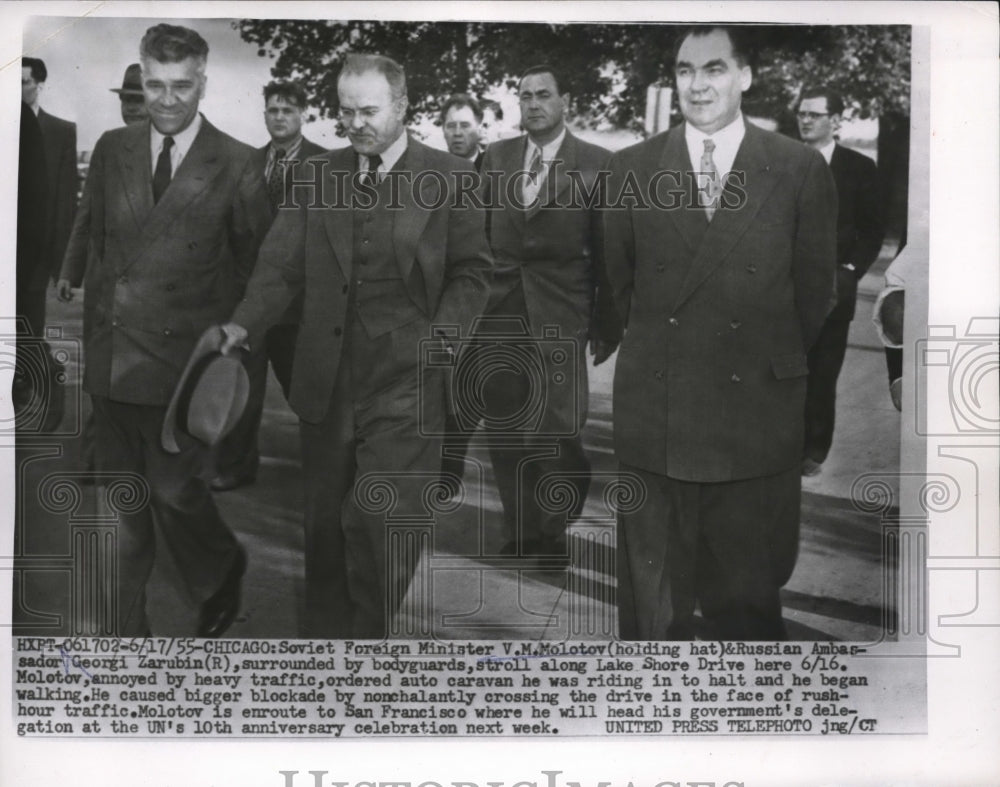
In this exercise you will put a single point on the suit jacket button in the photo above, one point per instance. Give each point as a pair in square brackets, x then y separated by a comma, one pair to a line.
[167, 332]
[658, 374]
[735, 378]
[735, 324]
[337, 331]
[660, 268]
[673, 321]
[751, 268]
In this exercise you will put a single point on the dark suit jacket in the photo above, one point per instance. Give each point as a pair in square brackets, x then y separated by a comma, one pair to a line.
[555, 249]
[32, 206]
[859, 224]
[307, 150]
[310, 250]
[60, 160]
[711, 374]
[158, 275]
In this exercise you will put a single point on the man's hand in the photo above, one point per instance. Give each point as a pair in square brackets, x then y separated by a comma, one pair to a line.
[602, 350]
[236, 336]
[64, 290]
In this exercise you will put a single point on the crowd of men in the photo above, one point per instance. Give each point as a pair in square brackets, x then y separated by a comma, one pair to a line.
[729, 302]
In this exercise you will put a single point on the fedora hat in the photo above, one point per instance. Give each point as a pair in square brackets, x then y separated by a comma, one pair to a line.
[131, 82]
[210, 396]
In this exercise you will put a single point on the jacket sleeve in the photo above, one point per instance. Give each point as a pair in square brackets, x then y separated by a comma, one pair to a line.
[74, 261]
[867, 218]
[618, 241]
[65, 198]
[605, 322]
[815, 250]
[278, 275]
[468, 262]
[250, 223]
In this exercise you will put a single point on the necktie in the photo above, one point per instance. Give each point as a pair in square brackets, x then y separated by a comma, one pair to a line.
[532, 184]
[370, 175]
[276, 180]
[709, 187]
[161, 177]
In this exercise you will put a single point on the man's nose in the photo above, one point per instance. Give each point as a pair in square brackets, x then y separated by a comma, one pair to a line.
[698, 81]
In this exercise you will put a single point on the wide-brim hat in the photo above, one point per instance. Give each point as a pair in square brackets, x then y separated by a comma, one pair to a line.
[131, 82]
[210, 396]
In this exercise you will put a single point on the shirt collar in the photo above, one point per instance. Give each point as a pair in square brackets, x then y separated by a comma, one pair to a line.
[549, 149]
[290, 150]
[728, 135]
[389, 156]
[827, 150]
[182, 139]
[35, 106]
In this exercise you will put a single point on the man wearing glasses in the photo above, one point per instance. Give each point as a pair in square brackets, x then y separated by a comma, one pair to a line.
[859, 239]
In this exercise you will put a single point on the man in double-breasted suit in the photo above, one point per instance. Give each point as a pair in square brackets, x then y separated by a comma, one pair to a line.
[175, 211]
[382, 248]
[238, 456]
[724, 279]
[59, 141]
[549, 281]
[859, 240]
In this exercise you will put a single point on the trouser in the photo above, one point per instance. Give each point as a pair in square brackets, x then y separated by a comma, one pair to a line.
[542, 480]
[179, 503]
[826, 357]
[238, 455]
[728, 546]
[370, 469]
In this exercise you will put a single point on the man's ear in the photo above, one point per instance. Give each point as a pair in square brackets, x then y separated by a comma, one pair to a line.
[746, 78]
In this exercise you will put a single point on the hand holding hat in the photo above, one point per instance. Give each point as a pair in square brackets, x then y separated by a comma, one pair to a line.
[211, 394]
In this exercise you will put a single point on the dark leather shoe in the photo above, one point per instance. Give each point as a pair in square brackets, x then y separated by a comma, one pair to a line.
[226, 481]
[219, 611]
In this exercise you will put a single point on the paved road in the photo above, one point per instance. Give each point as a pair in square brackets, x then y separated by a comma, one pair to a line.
[836, 591]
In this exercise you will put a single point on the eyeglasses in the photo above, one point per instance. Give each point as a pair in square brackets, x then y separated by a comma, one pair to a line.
[811, 115]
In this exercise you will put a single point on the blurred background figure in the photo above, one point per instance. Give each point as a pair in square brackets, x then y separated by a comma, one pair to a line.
[133, 103]
[461, 120]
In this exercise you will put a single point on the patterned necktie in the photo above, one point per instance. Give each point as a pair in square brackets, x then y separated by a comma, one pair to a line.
[532, 184]
[709, 187]
[161, 177]
[370, 175]
[276, 180]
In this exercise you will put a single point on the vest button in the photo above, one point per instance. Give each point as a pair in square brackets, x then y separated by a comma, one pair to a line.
[735, 378]
[673, 321]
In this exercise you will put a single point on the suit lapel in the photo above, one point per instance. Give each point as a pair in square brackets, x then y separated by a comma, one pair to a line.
[674, 158]
[137, 175]
[201, 165]
[408, 224]
[729, 224]
[339, 220]
[511, 162]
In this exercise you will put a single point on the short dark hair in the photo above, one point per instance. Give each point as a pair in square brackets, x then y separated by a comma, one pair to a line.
[172, 43]
[292, 92]
[38, 70]
[460, 100]
[834, 103]
[492, 106]
[739, 40]
[356, 64]
[544, 68]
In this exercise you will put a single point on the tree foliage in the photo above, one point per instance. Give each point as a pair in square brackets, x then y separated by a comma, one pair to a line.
[607, 67]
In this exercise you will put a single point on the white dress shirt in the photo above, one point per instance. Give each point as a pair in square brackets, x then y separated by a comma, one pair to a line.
[549, 151]
[827, 150]
[389, 156]
[727, 142]
[182, 144]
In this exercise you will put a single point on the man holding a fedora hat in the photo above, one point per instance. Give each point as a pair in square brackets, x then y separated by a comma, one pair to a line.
[174, 214]
[394, 255]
